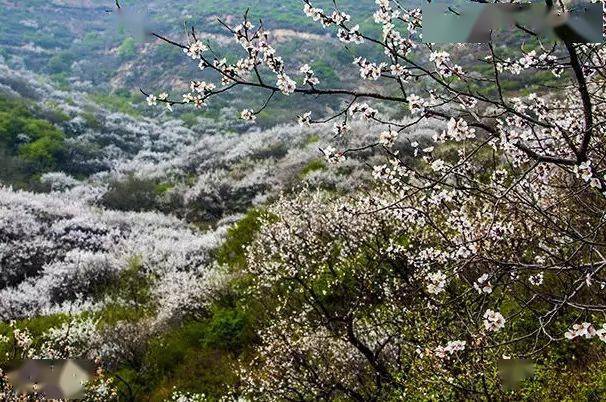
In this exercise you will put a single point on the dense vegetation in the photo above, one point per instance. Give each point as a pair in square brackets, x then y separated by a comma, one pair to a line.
[29, 145]
[438, 239]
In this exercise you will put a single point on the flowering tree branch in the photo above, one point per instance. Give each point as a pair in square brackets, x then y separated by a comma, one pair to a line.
[496, 219]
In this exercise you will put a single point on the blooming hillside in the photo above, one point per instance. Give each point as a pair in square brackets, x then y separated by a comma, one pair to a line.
[61, 255]
[231, 200]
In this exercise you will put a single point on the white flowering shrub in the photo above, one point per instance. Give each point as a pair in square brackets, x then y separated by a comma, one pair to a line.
[59, 254]
[58, 181]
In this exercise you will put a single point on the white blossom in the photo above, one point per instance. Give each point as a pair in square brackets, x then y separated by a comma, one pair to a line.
[436, 282]
[286, 85]
[248, 115]
[152, 100]
[584, 329]
[493, 321]
[304, 119]
[536, 280]
[388, 138]
[332, 155]
[309, 76]
[195, 50]
[482, 285]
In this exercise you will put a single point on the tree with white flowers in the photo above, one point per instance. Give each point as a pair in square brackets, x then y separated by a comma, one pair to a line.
[488, 242]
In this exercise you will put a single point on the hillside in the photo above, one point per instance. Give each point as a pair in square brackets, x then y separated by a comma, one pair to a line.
[350, 215]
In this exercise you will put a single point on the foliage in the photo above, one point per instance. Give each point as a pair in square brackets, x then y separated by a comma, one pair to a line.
[60, 63]
[127, 50]
[451, 227]
[313, 166]
[35, 145]
[132, 194]
[120, 102]
[233, 250]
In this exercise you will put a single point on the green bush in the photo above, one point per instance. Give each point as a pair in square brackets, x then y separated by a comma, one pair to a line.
[182, 358]
[312, 166]
[38, 144]
[91, 120]
[119, 101]
[228, 329]
[325, 73]
[576, 381]
[128, 49]
[233, 251]
[44, 152]
[132, 194]
[60, 63]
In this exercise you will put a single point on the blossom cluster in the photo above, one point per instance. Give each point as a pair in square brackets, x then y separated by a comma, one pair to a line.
[586, 330]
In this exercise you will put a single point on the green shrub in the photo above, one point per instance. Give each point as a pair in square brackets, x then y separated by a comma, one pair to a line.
[121, 101]
[312, 166]
[580, 381]
[44, 152]
[233, 251]
[60, 63]
[131, 194]
[162, 188]
[312, 139]
[228, 329]
[128, 49]
[37, 143]
[132, 285]
[91, 120]
[325, 72]
[178, 359]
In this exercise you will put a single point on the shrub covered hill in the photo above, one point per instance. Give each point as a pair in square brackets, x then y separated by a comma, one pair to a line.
[196, 256]
[75, 41]
[117, 219]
